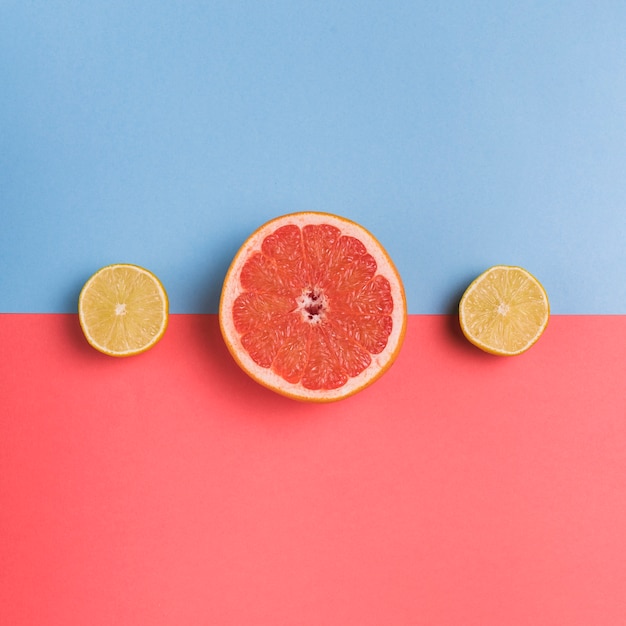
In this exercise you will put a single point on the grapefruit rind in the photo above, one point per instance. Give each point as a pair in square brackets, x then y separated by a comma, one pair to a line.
[466, 325]
[380, 363]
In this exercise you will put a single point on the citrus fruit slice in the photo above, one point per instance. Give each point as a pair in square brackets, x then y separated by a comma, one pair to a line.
[123, 310]
[504, 311]
[312, 307]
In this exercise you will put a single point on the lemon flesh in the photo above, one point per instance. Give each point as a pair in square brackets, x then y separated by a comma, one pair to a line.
[123, 310]
[504, 311]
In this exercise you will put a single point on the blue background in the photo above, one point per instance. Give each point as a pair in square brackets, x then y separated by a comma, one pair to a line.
[462, 134]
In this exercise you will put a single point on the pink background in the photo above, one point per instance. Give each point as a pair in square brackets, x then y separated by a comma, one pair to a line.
[168, 488]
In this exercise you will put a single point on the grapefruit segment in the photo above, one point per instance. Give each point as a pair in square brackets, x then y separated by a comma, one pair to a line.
[354, 267]
[318, 248]
[252, 310]
[323, 369]
[291, 358]
[371, 332]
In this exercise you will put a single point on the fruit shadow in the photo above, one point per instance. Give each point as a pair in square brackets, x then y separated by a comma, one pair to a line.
[453, 332]
[255, 400]
[221, 368]
[75, 340]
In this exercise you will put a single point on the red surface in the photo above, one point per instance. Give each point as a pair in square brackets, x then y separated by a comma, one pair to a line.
[168, 488]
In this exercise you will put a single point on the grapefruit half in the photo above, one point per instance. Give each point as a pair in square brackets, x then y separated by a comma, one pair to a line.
[312, 307]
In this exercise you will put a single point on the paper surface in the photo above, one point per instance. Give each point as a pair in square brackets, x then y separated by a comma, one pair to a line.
[168, 488]
[462, 135]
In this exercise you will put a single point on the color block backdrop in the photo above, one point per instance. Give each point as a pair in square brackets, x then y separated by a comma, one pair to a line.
[169, 488]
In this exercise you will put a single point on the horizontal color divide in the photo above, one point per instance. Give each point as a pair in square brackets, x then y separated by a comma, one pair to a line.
[168, 488]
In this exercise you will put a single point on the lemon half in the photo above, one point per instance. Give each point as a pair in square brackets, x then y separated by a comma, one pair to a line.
[504, 311]
[123, 310]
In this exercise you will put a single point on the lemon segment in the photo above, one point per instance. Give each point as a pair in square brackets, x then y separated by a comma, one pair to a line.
[123, 310]
[504, 311]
